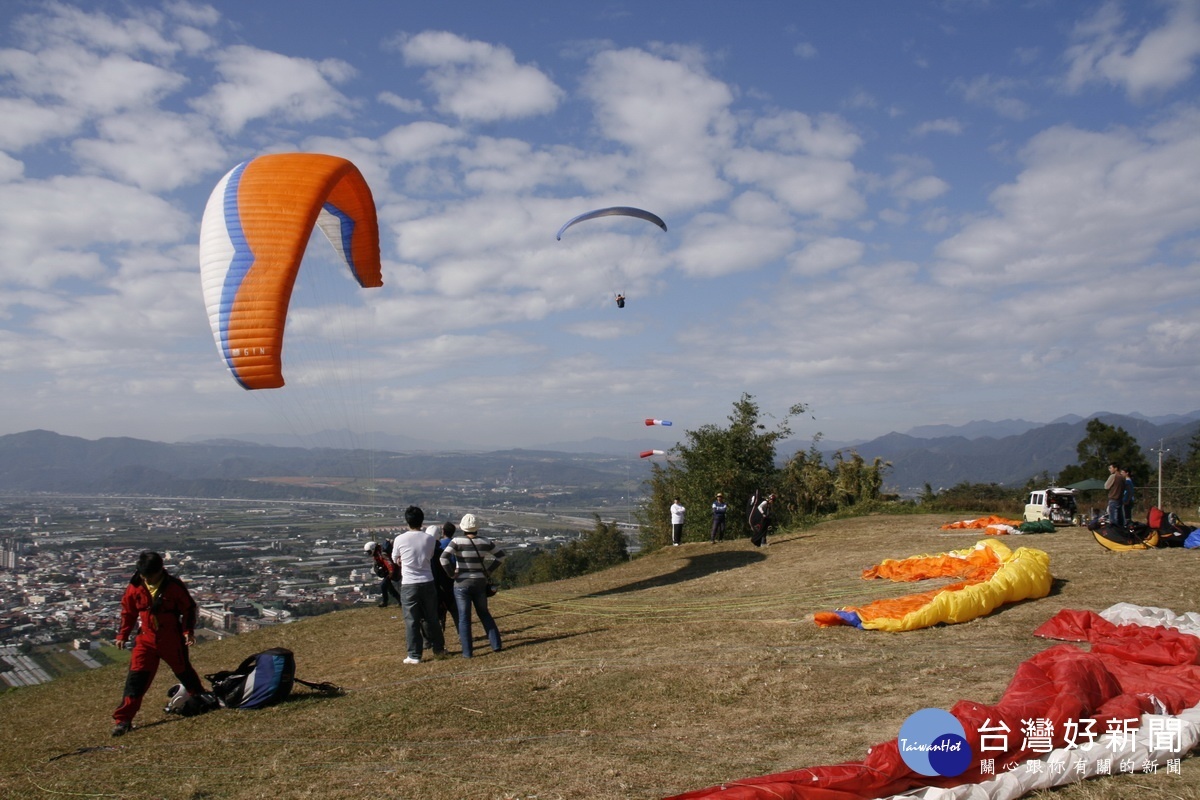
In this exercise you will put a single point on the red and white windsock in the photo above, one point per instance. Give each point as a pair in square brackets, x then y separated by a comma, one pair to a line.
[648, 453]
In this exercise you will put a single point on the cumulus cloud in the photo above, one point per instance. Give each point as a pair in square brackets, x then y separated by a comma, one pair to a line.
[672, 117]
[947, 125]
[1084, 201]
[475, 80]
[51, 227]
[1105, 49]
[155, 151]
[999, 94]
[262, 84]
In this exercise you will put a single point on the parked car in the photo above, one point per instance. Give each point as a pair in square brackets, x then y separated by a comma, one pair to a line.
[1054, 504]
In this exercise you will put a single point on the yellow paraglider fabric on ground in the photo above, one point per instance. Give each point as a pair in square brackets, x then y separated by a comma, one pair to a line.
[992, 575]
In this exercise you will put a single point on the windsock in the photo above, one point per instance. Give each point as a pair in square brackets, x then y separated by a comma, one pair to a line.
[648, 453]
[658, 422]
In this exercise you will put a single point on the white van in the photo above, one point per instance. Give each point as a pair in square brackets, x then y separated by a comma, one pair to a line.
[1054, 504]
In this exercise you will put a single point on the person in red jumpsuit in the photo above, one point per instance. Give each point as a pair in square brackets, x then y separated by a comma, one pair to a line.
[167, 613]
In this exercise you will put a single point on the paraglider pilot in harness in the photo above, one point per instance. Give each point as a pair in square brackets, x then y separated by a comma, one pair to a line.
[620, 300]
[167, 614]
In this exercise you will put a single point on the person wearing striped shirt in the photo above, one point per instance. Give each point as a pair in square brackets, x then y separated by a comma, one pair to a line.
[470, 558]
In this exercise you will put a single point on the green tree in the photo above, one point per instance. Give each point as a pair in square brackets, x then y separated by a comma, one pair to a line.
[602, 547]
[737, 460]
[1103, 445]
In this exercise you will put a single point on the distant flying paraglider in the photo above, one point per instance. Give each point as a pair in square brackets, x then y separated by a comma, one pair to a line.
[613, 211]
[252, 239]
[648, 453]
[664, 422]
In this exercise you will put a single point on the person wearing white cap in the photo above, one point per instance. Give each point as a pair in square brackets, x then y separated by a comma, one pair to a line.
[470, 558]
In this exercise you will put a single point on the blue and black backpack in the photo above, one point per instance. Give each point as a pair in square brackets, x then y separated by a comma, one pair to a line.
[261, 680]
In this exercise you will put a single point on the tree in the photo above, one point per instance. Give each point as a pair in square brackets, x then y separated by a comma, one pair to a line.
[736, 460]
[602, 547]
[1102, 446]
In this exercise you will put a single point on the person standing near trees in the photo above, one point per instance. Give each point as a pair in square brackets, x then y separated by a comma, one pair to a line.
[677, 514]
[1115, 486]
[1127, 497]
[719, 509]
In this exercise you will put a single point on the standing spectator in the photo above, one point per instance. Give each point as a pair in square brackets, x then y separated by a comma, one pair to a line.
[1115, 486]
[413, 551]
[1127, 497]
[465, 558]
[166, 613]
[387, 572]
[677, 514]
[441, 578]
[718, 519]
[766, 509]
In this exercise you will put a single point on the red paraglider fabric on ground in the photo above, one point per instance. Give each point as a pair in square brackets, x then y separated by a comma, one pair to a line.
[1127, 665]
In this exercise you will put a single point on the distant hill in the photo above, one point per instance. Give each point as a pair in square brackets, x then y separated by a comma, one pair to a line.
[978, 452]
[43, 461]
[945, 461]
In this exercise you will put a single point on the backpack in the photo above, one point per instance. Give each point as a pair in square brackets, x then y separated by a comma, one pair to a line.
[261, 680]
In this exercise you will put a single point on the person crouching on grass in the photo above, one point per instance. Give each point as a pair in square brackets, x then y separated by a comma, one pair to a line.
[160, 602]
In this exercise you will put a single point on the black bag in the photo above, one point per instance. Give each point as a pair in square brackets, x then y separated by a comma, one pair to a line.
[261, 680]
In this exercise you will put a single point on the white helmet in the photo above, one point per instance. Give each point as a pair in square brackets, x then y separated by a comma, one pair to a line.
[369, 547]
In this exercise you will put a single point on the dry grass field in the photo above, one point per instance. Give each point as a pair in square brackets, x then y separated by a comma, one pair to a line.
[684, 668]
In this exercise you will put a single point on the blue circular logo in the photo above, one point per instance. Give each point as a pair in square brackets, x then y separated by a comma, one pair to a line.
[933, 742]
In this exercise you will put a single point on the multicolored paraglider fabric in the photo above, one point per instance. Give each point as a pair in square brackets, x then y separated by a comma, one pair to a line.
[990, 576]
[1137, 690]
[252, 239]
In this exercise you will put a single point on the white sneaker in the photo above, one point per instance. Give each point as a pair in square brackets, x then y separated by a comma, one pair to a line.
[411, 660]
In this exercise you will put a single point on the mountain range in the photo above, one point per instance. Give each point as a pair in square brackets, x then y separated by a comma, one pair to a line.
[1008, 452]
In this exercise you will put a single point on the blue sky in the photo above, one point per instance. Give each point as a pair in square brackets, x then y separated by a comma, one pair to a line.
[898, 214]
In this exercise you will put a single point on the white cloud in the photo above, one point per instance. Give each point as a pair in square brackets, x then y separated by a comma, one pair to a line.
[42, 223]
[1160, 59]
[820, 187]
[947, 125]
[671, 115]
[827, 255]
[86, 81]
[25, 122]
[998, 94]
[791, 131]
[475, 80]
[155, 151]
[401, 103]
[1084, 202]
[261, 84]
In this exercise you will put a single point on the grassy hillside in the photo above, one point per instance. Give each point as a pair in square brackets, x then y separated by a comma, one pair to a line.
[690, 666]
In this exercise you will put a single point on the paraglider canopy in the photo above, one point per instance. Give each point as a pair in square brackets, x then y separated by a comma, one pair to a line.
[614, 211]
[253, 235]
[665, 422]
